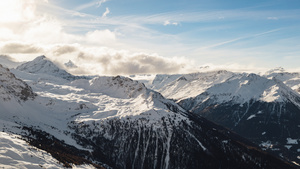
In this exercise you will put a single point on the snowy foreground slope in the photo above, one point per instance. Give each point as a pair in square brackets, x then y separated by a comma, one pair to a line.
[111, 122]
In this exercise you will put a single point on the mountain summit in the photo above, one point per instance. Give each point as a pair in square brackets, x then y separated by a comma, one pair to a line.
[41, 65]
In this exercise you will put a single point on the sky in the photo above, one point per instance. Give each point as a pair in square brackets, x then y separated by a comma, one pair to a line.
[125, 37]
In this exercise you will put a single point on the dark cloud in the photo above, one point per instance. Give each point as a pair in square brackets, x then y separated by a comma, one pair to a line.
[135, 64]
[60, 50]
[20, 48]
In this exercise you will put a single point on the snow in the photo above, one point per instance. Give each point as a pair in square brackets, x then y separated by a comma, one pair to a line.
[292, 80]
[225, 141]
[267, 144]
[258, 88]
[16, 153]
[263, 133]
[291, 141]
[41, 65]
[180, 87]
[252, 116]
[288, 146]
[147, 79]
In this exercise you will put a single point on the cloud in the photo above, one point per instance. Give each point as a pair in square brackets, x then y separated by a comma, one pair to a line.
[13, 11]
[240, 38]
[272, 18]
[90, 4]
[100, 37]
[17, 48]
[106, 12]
[99, 3]
[170, 23]
[8, 61]
[64, 49]
[123, 63]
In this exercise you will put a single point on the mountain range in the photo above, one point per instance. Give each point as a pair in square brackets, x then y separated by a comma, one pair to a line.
[117, 122]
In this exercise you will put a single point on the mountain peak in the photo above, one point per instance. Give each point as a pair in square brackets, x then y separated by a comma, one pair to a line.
[41, 65]
[42, 57]
[275, 70]
[70, 64]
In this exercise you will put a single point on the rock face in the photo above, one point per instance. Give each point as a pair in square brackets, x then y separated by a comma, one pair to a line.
[136, 144]
[260, 109]
[12, 87]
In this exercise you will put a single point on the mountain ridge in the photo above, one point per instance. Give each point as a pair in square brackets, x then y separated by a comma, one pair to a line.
[122, 124]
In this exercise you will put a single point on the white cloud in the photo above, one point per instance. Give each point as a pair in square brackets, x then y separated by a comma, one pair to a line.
[106, 12]
[99, 3]
[90, 4]
[170, 23]
[100, 37]
[272, 18]
[16, 11]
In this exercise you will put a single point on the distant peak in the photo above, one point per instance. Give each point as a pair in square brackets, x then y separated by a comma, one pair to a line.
[40, 58]
[70, 64]
[276, 70]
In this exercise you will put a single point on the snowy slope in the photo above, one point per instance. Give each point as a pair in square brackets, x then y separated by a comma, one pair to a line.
[290, 79]
[162, 80]
[16, 153]
[191, 85]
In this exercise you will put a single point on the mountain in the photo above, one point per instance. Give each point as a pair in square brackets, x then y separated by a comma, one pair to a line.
[116, 122]
[266, 111]
[41, 65]
[162, 80]
[70, 64]
[180, 87]
[290, 79]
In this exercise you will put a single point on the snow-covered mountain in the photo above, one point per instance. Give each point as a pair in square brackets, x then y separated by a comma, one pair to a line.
[44, 68]
[70, 64]
[117, 122]
[260, 109]
[179, 87]
[290, 79]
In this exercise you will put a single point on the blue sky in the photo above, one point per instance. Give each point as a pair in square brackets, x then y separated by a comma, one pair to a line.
[236, 34]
